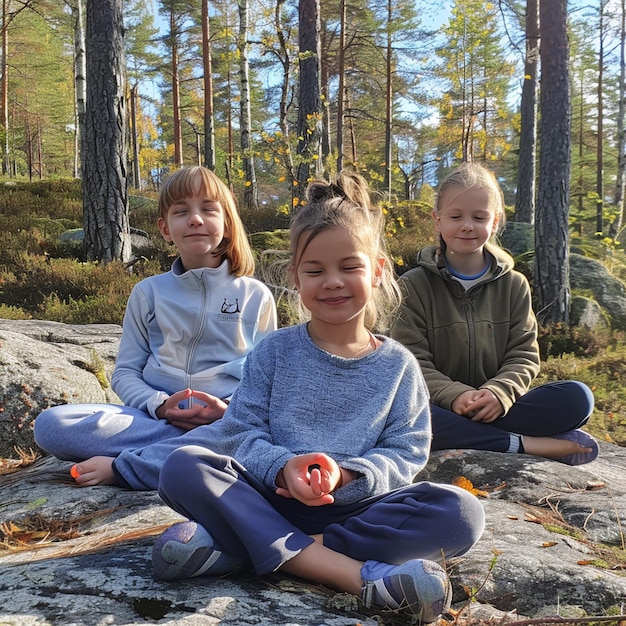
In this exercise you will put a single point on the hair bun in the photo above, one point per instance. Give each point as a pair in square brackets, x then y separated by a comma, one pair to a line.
[320, 190]
[348, 185]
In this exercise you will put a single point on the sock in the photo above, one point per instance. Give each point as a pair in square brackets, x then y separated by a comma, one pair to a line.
[516, 445]
[373, 570]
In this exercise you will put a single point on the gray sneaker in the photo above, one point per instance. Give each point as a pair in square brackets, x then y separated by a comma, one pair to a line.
[419, 587]
[187, 549]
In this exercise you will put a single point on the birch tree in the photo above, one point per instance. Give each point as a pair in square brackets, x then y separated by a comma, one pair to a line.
[251, 193]
[620, 177]
[207, 66]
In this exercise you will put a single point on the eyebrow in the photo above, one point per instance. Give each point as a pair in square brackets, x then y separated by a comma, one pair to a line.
[344, 260]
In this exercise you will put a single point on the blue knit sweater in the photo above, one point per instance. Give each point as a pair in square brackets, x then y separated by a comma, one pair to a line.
[371, 414]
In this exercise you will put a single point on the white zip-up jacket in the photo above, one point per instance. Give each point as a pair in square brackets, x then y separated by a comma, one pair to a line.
[191, 329]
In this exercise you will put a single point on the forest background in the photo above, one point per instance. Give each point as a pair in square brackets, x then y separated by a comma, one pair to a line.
[403, 92]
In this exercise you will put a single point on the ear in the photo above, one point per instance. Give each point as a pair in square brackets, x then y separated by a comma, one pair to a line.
[379, 265]
[293, 275]
[494, 227]
[164, 230]
[436, 219]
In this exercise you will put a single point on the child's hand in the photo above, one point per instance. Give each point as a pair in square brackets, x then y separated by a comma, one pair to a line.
[202, 408]
[485, 407]
[481, 405]
[309, 478]
[461, 404]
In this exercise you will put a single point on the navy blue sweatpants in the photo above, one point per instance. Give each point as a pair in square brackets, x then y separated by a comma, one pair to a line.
[547, 410]
[246, 519]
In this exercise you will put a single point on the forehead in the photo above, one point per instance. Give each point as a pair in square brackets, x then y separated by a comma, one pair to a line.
[463, 198]
[329, 244]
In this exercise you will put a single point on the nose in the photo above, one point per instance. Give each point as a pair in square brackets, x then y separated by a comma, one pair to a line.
[195, 218]
[468, 224]
[332, 280]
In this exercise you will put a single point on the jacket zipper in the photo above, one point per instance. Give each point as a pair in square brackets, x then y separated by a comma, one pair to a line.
[196, 339]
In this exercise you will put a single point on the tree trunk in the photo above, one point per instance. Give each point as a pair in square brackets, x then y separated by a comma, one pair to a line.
[134, 135]
[309, 90]
[79, 77]
[388, 104]
[551, 231]
[600, 134]
[342, 83]
[178, 131]
[230, 159]
[6, 163]
[105, 193]
[209, 121]
[621, 135]
[250, 194]
[525, 198]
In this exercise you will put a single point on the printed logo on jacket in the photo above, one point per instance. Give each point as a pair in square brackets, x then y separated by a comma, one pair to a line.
[230, 311]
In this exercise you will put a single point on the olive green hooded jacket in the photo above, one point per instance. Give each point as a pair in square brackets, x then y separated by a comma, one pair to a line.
[485, 337]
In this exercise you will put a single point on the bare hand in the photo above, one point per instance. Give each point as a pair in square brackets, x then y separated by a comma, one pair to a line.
[202, 408]
[481, 405]
[309, 478]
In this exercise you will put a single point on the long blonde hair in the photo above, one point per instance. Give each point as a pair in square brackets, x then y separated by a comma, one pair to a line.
[235, 246]
[346, 202]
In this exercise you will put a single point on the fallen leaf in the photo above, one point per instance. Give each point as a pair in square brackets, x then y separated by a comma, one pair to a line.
[466, 483]
[593, 485]
[548, 544]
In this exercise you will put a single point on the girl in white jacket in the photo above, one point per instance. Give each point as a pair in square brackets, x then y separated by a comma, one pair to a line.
[186, 335]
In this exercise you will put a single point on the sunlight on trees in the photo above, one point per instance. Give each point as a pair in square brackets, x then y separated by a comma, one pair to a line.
[397, 92]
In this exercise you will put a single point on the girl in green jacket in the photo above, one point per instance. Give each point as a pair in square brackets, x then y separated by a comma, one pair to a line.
[467, 317]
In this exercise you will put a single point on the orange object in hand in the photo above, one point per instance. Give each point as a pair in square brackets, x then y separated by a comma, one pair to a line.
[74, 473]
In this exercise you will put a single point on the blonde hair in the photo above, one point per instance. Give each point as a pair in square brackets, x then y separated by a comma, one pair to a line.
[235, 246]
[470, 175]
[346, 202]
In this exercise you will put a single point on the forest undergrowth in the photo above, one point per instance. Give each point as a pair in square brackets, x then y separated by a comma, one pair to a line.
[44, 277]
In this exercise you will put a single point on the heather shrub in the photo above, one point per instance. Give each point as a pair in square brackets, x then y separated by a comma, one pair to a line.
[579, 341]
[409, 227]
[266, 218]
[104, 309]
[13, 313]
[42, 286]
[44, 278]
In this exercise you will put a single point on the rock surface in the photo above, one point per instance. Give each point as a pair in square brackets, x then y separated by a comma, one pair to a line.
[43, 364]
[587, 276]
[553, 544]
[544, 552]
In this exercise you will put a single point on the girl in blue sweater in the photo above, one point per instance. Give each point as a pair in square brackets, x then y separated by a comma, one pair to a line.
[185, 337]
[310, 470]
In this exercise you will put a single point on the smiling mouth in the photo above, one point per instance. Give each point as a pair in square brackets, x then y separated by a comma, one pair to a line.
[338, 300]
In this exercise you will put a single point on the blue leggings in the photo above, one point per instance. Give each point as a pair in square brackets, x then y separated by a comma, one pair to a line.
[422, 520]
[541, 412]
